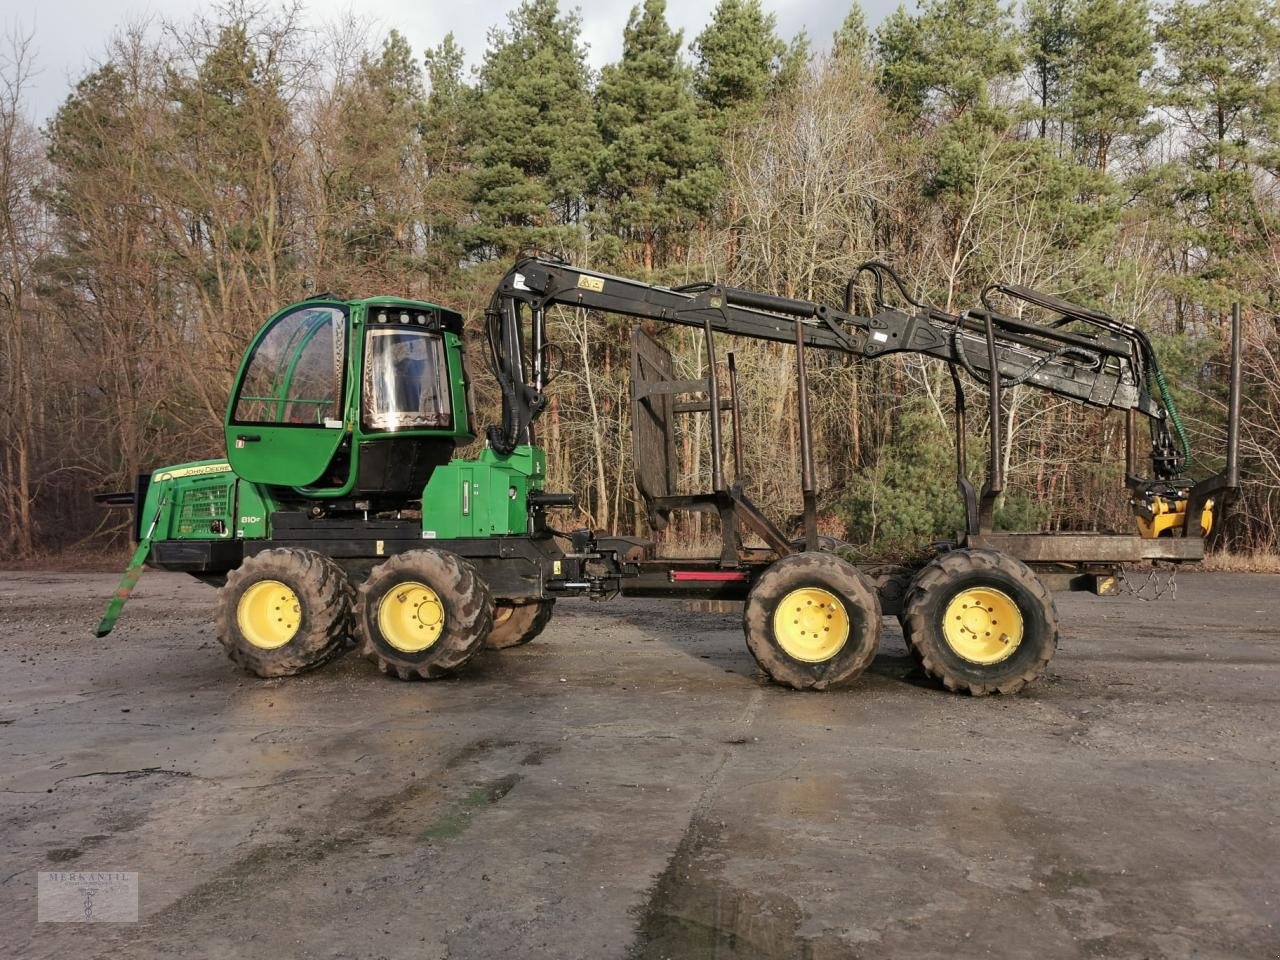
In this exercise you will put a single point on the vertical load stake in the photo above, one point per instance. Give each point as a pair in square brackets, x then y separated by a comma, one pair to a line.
[1202, 494]
[968, 496]
[1233, 402]
[713, 388]
[807, 480]
[736, 414]
[995, 469]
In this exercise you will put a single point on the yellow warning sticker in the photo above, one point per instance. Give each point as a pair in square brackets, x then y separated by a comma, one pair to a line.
[594, 284]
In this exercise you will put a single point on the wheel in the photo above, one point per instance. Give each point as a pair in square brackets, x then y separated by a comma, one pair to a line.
[812, 621]
[423, 614]
[284, 611]
[902, 620]
[518, 623]
[980, 621]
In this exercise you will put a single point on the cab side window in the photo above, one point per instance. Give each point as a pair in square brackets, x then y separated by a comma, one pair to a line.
[295, 373]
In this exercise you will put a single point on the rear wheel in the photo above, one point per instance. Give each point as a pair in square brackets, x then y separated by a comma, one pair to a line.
[284, 611]
[812, 621]
[515, 624]
[981, 622]
[423, 614]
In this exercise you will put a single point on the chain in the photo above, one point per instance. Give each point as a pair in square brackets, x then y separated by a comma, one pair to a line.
[1153, 588]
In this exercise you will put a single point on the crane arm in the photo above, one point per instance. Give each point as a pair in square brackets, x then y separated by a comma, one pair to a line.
[1108, 367]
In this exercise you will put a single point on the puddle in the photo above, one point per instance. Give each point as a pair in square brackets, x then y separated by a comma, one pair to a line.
[693, 915]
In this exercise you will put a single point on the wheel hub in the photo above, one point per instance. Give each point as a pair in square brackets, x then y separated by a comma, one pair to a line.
[811, 624]
[982, 625]
[411, 617]
[269, 614]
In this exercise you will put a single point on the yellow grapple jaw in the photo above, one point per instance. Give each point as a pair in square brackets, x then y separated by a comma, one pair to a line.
[1163, 515]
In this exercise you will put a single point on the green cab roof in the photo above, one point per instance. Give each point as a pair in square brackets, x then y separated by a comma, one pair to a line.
[448, 319]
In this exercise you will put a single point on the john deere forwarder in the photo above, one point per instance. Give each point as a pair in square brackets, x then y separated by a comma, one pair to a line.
[342, 512]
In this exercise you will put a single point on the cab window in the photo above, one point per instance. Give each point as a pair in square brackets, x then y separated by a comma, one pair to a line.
[295, 373]
[406, 380]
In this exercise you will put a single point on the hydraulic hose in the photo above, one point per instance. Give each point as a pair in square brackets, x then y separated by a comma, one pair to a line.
[502, 439]
[1171, 408]
[1093, 361]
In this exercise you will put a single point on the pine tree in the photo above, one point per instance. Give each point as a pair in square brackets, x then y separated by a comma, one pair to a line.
[537, 147]
[1221, 74]
[375, 184]
[738, 55]
[852, 41]
[228, 166]
[1111, 54]
[448, 96]
[1221, 77]
[658, 170]
[791, 65]
[949, 55]
[1047, 35]
[899, 46]
[446, 152]
[937, 71]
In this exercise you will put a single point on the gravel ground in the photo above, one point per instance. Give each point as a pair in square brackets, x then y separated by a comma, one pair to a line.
[628, 786]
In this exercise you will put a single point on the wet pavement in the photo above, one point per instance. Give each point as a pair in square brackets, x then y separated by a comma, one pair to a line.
[627, 786]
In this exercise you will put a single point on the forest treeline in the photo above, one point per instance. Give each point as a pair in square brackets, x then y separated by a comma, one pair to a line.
[207, 172]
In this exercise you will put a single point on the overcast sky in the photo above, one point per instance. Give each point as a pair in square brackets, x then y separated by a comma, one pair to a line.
[70, 34]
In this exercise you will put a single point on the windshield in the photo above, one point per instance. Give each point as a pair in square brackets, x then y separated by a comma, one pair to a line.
[406, 381]
[295, 373]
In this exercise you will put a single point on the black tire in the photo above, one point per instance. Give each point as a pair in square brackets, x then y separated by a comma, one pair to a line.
[324, 604]
[957, 571]
[462, 602]
[835, 577]
[912, 652]
[515, 624]
[902, 619]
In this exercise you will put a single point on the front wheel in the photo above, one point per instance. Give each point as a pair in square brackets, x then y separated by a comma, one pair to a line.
[981, 622]
[284, 611]
[423, 614]
[812, 621]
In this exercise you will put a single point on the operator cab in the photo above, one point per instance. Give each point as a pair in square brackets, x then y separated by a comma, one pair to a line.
[351, 400]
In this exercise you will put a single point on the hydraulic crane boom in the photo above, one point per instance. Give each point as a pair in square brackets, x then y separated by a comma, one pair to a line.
[1110, 366]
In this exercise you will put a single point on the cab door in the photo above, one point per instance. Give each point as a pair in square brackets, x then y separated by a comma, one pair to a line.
[285, 421]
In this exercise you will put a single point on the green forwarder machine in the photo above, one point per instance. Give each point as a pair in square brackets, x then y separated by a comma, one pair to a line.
[342, 513]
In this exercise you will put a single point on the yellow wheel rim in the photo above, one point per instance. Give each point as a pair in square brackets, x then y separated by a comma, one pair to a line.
[411, 616]
[982, 625]
[811, 624]
[269, 614]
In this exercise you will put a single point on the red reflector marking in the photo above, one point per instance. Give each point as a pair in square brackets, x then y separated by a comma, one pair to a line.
[717, 575]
